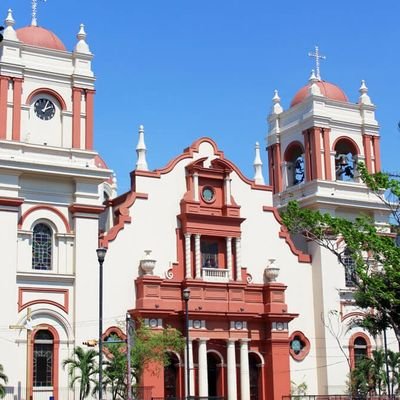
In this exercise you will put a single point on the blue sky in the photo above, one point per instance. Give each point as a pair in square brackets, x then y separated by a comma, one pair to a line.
[191, 68]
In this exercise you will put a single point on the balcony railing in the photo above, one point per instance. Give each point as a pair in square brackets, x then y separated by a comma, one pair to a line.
[215, 275]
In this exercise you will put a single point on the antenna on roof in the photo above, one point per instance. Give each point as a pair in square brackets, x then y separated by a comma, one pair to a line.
[34, 12]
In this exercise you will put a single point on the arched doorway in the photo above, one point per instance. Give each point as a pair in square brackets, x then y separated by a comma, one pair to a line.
[171, 377]
[254, 375]
[214, 374]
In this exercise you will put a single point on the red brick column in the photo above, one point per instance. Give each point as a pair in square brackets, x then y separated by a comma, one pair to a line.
[76, 117]
[89, 119]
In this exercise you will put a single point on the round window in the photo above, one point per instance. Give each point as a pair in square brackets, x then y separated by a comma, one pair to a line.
[208, 194]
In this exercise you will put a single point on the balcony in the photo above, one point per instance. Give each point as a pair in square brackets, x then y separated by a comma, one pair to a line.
[215, 275]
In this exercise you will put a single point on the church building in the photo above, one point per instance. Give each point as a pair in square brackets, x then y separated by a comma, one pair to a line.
[261, 304]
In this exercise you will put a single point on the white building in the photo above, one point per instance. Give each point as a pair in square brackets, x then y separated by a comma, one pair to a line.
[253, 328]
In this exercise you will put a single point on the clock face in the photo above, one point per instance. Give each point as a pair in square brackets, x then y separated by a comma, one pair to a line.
[238, 325]
[208, 194]
[44, 109]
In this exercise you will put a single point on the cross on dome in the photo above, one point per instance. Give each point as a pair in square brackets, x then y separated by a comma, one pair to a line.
[317, 58]
[34, 12]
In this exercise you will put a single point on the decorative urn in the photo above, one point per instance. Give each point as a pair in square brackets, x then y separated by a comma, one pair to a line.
[272, 271]
[147, 264]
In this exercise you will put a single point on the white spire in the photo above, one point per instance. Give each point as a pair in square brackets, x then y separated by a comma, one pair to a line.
[9, 32]
[276, 103]
[364, 98]
[141, 163]
[314, 88]
[258, 175]
[82, 46]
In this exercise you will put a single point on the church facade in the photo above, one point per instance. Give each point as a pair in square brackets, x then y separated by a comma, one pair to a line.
[262, 304]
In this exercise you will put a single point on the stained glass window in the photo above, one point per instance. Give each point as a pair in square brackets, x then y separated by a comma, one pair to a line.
[43, 359]
[41, 247]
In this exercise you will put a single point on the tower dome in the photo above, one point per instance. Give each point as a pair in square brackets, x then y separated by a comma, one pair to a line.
[40, 37]
[327, 89]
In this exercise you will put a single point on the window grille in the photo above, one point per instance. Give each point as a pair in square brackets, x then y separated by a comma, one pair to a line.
[349, 269]
[42, 247]
[43, 359]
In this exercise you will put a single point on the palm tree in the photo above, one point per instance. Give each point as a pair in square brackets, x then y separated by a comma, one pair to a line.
[3, 377]
[378, 373]
[82, 368]
[394, 366]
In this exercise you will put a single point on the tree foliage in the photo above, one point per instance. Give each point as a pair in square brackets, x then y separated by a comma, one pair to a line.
[82, 369]
[376, 255]
[3, 381]
[149, 346]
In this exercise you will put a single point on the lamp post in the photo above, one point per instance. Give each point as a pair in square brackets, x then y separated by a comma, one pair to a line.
[101, 254]
[186, 297]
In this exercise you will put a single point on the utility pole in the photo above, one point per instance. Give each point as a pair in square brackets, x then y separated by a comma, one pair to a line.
[129, 337]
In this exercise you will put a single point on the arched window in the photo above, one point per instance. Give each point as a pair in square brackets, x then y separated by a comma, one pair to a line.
[42, 246]
[359, 348]
[43, 359]
[294, 158]
[345, 160]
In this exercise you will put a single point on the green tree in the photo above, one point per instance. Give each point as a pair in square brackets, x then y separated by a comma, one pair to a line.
[153, 346]
[394, 366]
[115, 370]
[376, 258]
[82, 369]
[3, 381]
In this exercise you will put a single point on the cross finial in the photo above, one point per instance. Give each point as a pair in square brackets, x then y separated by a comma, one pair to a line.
[34, 12]
[317, 58]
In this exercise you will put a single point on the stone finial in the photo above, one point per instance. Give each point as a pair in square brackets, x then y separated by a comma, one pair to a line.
[314, 88]
[9, 31]
[276, 103]
[82, 46]
[364, 98]
[258, 175]
[141, 150]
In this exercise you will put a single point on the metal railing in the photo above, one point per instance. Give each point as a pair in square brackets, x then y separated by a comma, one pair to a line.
[190, 398]
[339, 397]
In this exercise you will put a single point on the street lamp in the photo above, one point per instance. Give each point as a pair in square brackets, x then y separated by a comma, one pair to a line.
[186, 297]
[101, 254]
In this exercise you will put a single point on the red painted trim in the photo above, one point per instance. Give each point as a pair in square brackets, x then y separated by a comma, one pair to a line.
[89, 119]
[278, 167]
[56, 356]
[327, 153]
[350, 140]
[352, 314]
[3, 106]
[316, 144]
[304, 352]
[377, 153]
[188, 153]
[122, 216]
[16, 117]
[22, 290]
[11, 201]
[307, 156]
[50, 92]
[271, 168]
[284, 234]
[48, 208]
[84, 208]
[76, 117]
[351, 346]
[288, 155]
[367, 152]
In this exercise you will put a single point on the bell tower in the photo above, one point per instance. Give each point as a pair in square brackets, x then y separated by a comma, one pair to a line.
[46, 92]
[313, 148]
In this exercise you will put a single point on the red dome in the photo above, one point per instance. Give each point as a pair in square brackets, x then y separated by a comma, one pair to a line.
[40, 37]
[328, 90]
